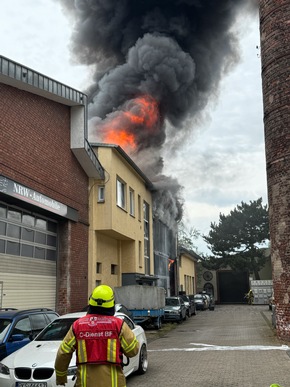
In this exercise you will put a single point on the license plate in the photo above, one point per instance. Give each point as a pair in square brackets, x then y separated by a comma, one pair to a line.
[31, 384]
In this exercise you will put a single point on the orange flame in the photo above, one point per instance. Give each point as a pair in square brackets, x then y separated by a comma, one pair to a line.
[122, 127]
[170, 263]
[121, 138]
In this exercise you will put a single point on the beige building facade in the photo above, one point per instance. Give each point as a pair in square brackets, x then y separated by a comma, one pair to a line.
[187, 271]
[121, 224]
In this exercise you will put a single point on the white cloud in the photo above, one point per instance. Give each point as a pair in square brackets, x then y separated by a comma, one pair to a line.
[36, 34]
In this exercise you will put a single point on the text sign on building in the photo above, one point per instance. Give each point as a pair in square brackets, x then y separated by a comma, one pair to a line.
[11, 188]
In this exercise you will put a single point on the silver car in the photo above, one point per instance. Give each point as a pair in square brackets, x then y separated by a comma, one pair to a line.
[175, 309]
[190, 305]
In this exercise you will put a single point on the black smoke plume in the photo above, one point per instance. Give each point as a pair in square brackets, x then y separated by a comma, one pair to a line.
[175, 51]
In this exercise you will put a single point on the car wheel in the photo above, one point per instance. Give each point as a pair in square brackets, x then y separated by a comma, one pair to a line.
[143, 360]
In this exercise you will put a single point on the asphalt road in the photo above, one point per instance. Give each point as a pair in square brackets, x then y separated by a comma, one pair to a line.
[234, 345]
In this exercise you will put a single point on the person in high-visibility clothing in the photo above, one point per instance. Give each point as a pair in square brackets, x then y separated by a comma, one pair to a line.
[250, 297]
[100, 340]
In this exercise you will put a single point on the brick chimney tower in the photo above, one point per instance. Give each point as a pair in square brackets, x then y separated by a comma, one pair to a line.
[275, 56]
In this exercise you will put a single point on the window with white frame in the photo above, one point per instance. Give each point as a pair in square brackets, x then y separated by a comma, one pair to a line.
[140, 254]
[146, 237]
[139, 208]
[121, 193]
[132, 201]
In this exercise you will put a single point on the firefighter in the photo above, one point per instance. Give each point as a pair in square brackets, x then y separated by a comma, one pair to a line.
[250, 297]
[99, 340]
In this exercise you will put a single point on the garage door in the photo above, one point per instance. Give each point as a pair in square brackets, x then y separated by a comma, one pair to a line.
[232, 286]
[27, 284]
[28, 256]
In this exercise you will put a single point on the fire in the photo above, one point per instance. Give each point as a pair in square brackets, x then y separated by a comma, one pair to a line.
[121, 138]
[137, 119]
[170, 263]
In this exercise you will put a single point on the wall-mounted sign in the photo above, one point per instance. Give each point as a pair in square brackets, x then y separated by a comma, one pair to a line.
[12, 188]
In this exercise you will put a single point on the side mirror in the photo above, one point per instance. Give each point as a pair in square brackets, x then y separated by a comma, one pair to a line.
[17, 337]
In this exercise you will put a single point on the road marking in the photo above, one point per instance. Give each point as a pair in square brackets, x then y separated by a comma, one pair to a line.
[208, 347]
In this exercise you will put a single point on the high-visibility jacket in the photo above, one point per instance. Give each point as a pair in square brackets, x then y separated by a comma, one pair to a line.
[98, 340]
[93, 374]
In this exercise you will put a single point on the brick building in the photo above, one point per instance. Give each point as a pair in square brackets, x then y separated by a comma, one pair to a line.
[275, 55]
[45, 165]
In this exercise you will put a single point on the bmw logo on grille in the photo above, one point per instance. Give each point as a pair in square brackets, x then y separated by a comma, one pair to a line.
[34, 365]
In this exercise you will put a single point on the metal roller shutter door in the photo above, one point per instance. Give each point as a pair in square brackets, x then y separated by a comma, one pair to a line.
[27, 283]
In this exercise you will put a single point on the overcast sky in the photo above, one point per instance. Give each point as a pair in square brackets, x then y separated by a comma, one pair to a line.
[221, 163]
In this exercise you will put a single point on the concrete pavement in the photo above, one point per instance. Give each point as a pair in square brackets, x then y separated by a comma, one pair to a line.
[234, 345]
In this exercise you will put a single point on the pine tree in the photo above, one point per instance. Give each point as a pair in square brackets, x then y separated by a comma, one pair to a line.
[238, 238]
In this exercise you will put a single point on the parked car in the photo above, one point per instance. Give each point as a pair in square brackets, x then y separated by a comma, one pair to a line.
[118, 308]
[175, 309]
[33, 365]
[123, 309]
[200, 301]
[190, 305]
[19, 326]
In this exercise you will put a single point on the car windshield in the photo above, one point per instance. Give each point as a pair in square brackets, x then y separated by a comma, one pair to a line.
[198, 296]
[171, 301]
[185, 298]
[4, 326]
[56, 330]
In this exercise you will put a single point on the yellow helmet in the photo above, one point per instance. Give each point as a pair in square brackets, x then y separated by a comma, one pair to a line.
[102, 296]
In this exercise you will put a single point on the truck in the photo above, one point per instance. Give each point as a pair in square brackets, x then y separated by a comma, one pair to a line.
[146, 303]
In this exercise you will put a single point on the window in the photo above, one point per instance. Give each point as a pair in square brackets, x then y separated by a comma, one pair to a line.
[22, 327]
[41, 223]
[98, 283]
[27, 250]
[140, 254]
[39, 252]
[114, 269]
[14, 215]
[139, 208]
[27, 235]
[38, 321]
[98, 267]
[128, 322]
[2, 246]
[146, 237]
[132, 201]
[146, 219]
[101, 194]
[3, 228]
[13, 248]
[13, 231]
[3, 211]
[121, 194]
[28, 219]
[40, 238]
